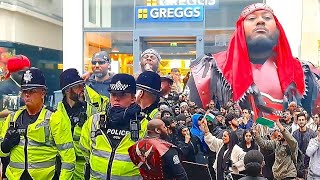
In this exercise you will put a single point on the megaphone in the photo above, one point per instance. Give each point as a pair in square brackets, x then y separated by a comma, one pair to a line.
[13, 64]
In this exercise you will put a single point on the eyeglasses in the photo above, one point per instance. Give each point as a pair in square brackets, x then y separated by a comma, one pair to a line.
[98, 62]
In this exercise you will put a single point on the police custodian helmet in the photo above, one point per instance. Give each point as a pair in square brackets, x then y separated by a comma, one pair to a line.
[149, 81]
[70, 78]
[33, 78]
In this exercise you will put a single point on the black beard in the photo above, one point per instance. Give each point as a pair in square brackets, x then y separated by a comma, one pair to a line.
[261, 46]
[76, 97]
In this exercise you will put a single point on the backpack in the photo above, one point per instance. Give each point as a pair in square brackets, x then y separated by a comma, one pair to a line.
[299, 163]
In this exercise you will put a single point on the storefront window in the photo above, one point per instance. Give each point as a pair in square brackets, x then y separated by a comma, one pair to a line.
[108, 14]
[226, 15]
[118, 44]
[176, 52]
[216, 40]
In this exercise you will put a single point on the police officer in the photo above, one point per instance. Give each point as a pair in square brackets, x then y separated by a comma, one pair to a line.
[34, 135]
[106, 137]
[74, 108]
[148, 93]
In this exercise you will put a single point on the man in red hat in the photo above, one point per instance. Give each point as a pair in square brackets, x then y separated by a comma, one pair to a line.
[10, 73]
[257, 70]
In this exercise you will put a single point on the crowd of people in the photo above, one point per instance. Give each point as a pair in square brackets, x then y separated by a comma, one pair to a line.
[148, 126]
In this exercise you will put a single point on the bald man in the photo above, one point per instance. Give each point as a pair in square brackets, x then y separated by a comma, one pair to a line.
[156, 158]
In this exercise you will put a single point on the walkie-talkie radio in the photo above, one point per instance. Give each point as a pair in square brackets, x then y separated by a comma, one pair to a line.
[134, 129]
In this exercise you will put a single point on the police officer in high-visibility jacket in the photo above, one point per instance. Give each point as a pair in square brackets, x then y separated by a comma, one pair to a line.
[106, 137]
[76, 110]
[148, 93]
[34, 135]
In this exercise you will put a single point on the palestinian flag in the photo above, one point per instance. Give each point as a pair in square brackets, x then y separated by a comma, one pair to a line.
[210, 117]
[265, 122]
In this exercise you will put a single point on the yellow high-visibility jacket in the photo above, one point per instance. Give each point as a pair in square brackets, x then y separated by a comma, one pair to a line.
[98, 102]
[46, 138]
[99, 153]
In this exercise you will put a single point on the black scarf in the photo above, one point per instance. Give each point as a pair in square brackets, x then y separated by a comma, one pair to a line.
[120, 117]
[223, 160]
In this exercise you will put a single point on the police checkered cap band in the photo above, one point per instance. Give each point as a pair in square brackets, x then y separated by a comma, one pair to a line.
[254, 7]
[118, 86]
[152, 51]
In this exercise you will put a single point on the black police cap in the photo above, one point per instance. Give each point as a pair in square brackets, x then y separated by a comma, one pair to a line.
[70, 78]
[33, 78]
[123, 83]
[149, 81]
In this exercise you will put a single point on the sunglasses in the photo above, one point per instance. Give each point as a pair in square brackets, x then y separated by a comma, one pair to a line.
[98, 62]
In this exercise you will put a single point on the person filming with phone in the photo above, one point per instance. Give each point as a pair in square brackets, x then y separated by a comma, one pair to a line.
[229, 155]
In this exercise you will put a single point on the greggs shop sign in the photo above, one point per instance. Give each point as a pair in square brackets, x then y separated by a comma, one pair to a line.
[180, 13]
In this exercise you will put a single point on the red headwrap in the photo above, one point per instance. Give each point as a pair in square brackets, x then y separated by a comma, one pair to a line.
[236, 66]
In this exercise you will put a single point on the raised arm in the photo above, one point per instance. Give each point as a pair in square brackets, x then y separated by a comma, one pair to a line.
[213, 143]
[264, 144]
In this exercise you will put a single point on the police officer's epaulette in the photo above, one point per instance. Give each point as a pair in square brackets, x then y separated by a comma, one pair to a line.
[143, 115]
[52, 109]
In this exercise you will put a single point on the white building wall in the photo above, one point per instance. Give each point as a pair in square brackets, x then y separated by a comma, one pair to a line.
[7, 25]
[33, 31]
[73, 35]
[289, 13]
[24, 25]
[310, 49]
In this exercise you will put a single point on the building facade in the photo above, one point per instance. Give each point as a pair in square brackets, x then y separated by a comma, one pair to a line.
[180, 30]
[32, 28]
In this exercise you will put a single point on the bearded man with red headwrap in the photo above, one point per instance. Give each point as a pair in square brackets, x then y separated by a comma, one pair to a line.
[257, 71]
